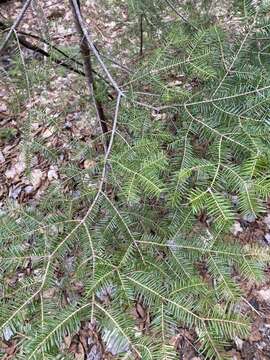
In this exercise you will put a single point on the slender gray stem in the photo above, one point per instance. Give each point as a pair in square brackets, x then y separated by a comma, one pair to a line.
[86, 55]
[180, 15]
[141, 34]
[92, 46]
[15, 24]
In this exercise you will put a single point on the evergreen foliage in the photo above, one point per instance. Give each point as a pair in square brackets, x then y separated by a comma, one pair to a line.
[196, 142]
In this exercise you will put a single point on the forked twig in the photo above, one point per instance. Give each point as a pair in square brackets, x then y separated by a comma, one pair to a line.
[86, 55]
[22, 35]
[15, 24]
[92, 46]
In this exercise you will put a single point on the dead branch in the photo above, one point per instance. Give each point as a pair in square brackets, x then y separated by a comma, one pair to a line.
[38, 50]
[86, 55]
[15, 24]
[79, 20]
[141, 34]
[180, 15]
[22, 35]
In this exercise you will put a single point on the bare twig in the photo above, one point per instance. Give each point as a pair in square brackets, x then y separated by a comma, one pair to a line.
[51, 46]
[141, 34]
[113, 61]
[77, 13]
[15, 24]
[86, 55]
[22, 40]
[72, 58]
[180, 15]
[37, 49]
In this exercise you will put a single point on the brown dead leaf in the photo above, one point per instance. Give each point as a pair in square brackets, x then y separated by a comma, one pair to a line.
[255, 336]
[10, 173]
[255, 332]
[67, 340]
[36, 178]
[2, 158]
[174, 340]
[266, 220]
[88, 164]
[52, 173]
[264, 294]
[249, 350]
[15, 170]
[77, 349]
[10, 350]
[3, 108]
[48, 133]
[49, 293]
[55, 14]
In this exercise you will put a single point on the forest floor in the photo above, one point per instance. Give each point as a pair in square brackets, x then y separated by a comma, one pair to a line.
[63, 100]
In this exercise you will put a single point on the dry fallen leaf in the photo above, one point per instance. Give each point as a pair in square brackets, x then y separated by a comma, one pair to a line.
[77, 350]
[174, 340]
[15, 170]
[236, 228]
[49, 293]
[264, 295]
[266, 220]
[20, 166]
[36, 177]
[2, 158]
[238, 342]
[67, 340]
[52, 173]
[255, 336]
[87, 164]
[11, 173]
[47, 133]
[3, 108]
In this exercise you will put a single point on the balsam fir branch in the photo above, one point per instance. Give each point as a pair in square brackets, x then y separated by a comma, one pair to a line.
[187, 153]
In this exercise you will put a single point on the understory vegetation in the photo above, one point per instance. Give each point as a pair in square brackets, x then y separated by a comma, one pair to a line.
[180, 151]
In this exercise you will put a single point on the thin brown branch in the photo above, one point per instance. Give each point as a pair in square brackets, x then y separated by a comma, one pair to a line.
[15, 25]
[141, 34]
[72, 58]
[37, 49]
[86, 35]
[180, 15]
[40, 39]
[57, 61]
[86, 55]
[113, 61]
